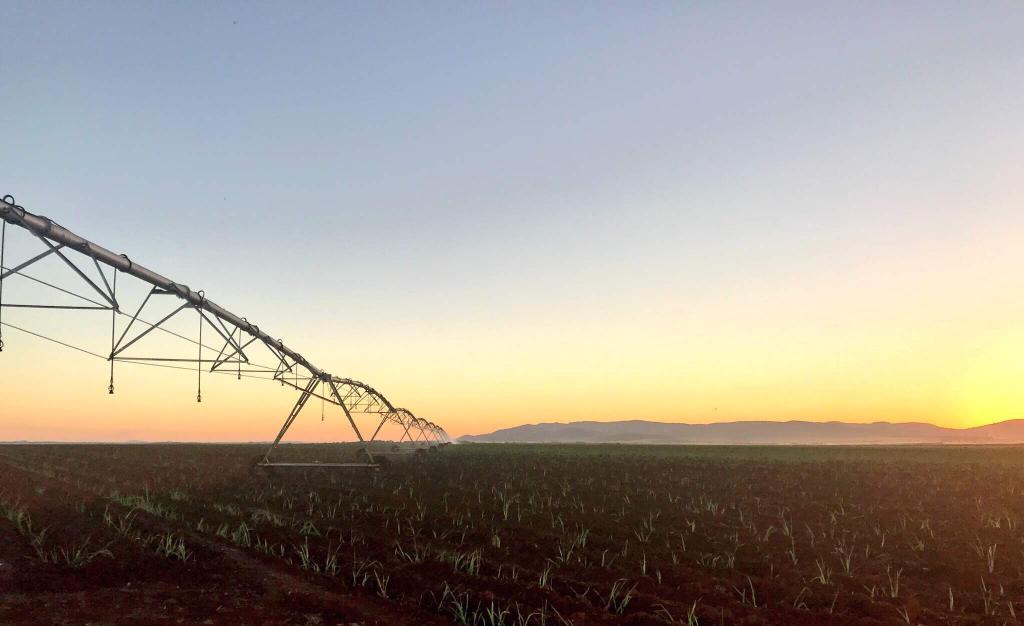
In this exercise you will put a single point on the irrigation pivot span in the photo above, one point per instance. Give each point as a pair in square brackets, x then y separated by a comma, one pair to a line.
[240, 336]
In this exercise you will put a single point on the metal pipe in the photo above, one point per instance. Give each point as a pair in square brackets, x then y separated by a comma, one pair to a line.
[45, 227]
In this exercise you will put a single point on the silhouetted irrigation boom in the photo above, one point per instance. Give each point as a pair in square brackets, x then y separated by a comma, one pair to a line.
[238, 334]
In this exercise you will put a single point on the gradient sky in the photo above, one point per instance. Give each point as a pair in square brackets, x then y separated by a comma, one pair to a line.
[509, 213]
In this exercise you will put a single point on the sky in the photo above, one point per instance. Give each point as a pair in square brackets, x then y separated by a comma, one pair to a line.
[503, 213]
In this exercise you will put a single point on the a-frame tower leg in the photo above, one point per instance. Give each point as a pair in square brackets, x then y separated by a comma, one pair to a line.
[301, 402]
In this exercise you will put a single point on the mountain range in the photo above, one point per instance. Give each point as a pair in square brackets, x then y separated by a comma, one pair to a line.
[753, 432]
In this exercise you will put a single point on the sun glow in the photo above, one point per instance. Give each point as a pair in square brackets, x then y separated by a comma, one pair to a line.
[993, 381]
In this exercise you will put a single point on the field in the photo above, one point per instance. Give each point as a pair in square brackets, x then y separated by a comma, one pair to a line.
[515, 535]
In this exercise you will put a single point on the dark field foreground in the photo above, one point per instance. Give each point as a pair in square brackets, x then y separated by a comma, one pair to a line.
[515, 535]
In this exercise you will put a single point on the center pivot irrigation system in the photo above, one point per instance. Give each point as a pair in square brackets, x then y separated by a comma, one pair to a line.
[241, 338]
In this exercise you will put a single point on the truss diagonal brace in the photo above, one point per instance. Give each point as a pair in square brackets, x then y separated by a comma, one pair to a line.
[119, 348]
[366, 448]
[41, 255]
[80, 273]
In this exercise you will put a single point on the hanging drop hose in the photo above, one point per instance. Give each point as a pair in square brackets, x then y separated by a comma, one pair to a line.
[9, 199]
[239, 351]
[199, 361]
[113, 327]
[3, 243]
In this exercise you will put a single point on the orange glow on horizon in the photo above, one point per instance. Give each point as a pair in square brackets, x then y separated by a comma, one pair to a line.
[882, 342]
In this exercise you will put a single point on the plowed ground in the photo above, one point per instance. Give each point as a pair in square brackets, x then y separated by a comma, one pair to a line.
[516, 535]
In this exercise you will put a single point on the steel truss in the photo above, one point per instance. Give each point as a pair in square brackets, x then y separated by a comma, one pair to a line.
[237, 337]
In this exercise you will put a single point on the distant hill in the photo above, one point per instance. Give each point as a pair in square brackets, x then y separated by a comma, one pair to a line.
[757, 432]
